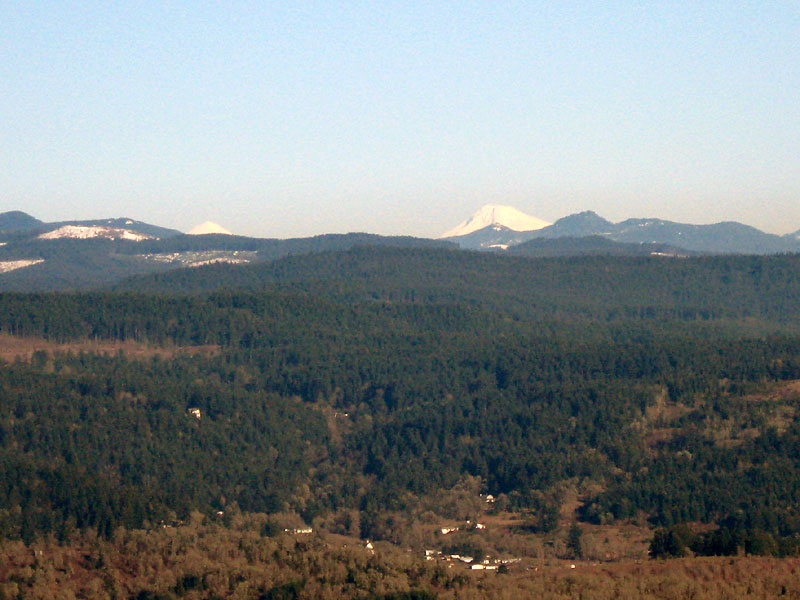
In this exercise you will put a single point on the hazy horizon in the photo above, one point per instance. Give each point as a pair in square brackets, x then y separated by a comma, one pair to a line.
[356, 230]
[296, 119]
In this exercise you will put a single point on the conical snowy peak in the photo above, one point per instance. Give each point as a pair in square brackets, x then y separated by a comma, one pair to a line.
[209, 227]
[492, 214]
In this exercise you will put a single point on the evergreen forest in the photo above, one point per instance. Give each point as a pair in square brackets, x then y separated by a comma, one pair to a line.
[350, 388]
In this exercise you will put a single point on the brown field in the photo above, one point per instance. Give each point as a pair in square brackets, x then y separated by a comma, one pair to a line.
[23, 348]
[203, 560]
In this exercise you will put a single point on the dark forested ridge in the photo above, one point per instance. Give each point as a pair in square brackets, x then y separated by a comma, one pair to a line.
[594, 245]
[79, 264]
[594, 287]
[364, 381]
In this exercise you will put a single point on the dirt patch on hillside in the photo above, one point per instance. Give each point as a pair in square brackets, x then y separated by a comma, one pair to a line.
[785, 390]
[23, 348]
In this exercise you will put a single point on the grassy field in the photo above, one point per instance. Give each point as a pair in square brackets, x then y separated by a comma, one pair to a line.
[23, 348]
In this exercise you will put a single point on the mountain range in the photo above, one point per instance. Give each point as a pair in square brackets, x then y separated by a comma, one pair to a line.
[40, 256]
[71, 255]
[17, 225]
[720, 238]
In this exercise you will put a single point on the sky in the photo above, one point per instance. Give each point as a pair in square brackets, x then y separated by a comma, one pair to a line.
[286, 119]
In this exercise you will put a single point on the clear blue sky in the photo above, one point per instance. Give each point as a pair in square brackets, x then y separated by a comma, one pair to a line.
[281, 119]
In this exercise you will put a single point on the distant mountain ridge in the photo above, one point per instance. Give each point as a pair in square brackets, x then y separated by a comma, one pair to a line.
[18, 222]
[37, 256]
[68, 255]
[719, 238]
[594, 245]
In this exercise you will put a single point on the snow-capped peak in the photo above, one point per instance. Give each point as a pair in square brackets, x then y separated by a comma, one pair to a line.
[491, 214]
[209, 227]
[84, 232]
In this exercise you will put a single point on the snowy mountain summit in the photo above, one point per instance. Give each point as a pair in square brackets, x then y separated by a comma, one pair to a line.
[492, 214]
[209, 227]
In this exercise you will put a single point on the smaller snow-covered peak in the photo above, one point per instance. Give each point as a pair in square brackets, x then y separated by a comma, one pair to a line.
[209, 227]
[85, 232]
[492, 214]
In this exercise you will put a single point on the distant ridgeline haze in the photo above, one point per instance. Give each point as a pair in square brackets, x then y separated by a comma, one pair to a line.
[79, 255]
[501, 232]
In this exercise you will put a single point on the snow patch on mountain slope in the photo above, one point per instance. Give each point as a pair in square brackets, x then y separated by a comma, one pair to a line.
[85, 232]
[13, 265]
[491, 214]
[202, 257]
